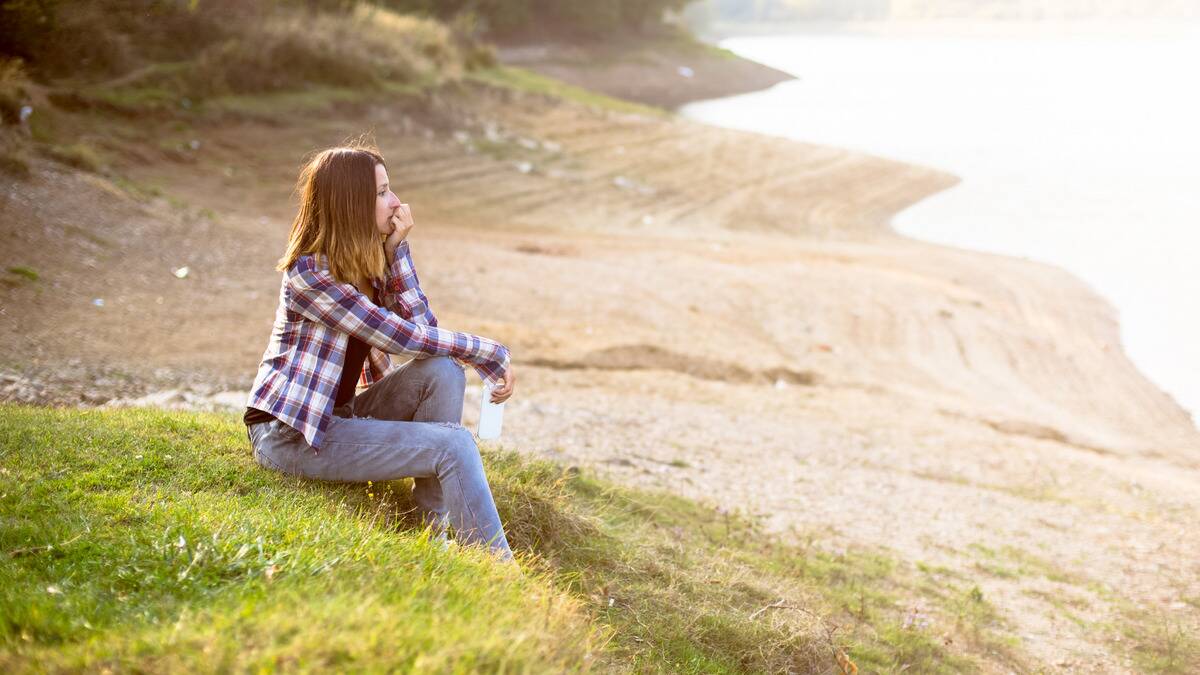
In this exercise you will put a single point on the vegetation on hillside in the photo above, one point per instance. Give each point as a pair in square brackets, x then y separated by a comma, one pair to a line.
[227, 46]
[561, 17]
[181, 58]
[150, 540]
[177, 58]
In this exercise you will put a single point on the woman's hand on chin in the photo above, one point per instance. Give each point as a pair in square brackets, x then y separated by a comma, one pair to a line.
[402, 223]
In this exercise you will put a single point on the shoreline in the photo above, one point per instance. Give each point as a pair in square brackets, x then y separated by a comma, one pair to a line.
[957, 28]
[664, 72]
[1022, 29]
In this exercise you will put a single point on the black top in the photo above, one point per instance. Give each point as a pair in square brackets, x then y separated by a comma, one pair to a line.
[254, 416]
[356, 355]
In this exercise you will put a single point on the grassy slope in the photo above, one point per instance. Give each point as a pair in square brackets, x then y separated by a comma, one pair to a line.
[151, 540]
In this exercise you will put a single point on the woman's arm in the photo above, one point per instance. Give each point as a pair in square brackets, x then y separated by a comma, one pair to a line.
[402, 292]
[315, 294]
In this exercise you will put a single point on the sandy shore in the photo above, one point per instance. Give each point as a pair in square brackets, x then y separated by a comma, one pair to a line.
[959, 27]
[666, 73]
[710, 312]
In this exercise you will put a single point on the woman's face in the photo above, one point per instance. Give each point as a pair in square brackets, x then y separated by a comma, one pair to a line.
[386, 201]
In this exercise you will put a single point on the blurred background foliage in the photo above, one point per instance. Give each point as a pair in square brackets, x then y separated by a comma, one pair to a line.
[346, 41]
[136, 57]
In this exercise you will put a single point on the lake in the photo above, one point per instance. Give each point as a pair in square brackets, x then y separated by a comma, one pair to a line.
[1077, 149]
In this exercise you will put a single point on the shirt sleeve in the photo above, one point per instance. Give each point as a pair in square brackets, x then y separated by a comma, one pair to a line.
[402, 289]
[316, 295]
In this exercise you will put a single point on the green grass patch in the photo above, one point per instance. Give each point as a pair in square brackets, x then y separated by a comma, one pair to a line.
[1065, 605]
[27, 273]
[150, 540]
[873, 597]
[521, 79]
[17, 276]
[1156, 641]
[78, 155]
[139, 191]
[1012, 562]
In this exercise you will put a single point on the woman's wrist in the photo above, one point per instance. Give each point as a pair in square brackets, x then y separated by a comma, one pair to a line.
[390, 250]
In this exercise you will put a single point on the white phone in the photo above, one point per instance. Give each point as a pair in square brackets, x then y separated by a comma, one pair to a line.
[491, 415]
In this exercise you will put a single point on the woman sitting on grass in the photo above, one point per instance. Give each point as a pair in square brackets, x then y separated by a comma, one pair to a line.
[350, 297]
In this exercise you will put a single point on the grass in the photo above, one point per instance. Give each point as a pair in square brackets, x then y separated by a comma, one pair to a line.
[521, 79]
[1160, 645]
[1012, 562]
[273, 60]
[150, 540]
[899, 616]
[77, 155]
[18, 275]
[1156, 640]
[28, 273]
[1065, 605]
[256, 47]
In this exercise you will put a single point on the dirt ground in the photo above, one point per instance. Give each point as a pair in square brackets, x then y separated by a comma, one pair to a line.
[709, 312]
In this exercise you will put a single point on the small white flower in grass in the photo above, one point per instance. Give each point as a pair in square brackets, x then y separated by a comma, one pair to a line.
[53, 590]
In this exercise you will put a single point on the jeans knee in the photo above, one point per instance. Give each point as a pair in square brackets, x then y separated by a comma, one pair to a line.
[460, 447]
[445, 371]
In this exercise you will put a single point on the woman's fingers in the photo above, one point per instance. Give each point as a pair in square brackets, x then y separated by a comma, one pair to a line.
[404, 214]
[402, 222]
[502, 392]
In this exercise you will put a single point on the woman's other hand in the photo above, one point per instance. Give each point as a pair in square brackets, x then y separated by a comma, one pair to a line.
[500, 394]
[402, 223]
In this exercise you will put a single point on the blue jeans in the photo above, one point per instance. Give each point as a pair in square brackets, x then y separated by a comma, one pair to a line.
[406, 424]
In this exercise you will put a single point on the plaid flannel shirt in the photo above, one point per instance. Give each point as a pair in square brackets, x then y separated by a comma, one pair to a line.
[298, 377]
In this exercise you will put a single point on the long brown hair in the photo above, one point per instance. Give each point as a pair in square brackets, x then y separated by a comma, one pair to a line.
[337, 214]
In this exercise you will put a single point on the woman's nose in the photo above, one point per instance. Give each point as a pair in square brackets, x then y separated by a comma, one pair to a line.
[395, 203]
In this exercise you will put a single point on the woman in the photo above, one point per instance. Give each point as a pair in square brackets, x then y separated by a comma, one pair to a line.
[350, 297]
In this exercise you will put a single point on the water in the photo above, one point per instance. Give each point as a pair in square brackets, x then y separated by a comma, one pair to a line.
[1082, 151]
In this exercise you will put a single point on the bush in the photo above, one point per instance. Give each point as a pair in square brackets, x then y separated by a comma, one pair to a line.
[13, 90]
[228, 46]
[576, 17]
